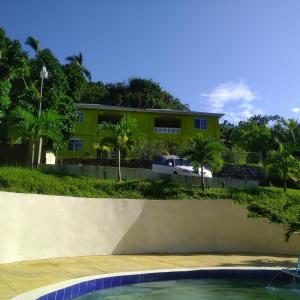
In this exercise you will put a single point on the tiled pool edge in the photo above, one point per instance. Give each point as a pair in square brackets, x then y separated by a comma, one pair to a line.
[81, 286]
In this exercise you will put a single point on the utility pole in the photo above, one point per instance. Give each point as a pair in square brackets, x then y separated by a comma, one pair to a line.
[43, 75]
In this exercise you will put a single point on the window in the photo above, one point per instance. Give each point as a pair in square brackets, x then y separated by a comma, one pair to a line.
[75, 144]
[80, 116]
[200, 123]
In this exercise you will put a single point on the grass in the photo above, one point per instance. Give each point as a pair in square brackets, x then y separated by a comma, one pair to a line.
[270, 203]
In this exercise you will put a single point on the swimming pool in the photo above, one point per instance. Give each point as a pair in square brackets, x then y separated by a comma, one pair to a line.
[194, 289]
[191, 281]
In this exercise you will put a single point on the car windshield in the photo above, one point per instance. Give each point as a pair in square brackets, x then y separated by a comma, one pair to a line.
[183, 162]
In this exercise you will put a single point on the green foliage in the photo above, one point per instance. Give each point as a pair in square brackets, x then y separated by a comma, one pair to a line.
[253, 137]
[271, 203]
[13, 64]
[78, 60]
[20, 86]
[261, 133]
[13, 60]
[138, 92]
[236, 155]
[227, 130]
[123, 136]
[203, 151]
[76, 81]
[5, 87]
[152, 148]
[34, 44]
[281, 164]
[94, 92]
[30, 127]
[55, 93]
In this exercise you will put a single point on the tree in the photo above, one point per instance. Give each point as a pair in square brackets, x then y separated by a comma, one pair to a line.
[93, 92]
[227, 130]
[76, 81]
[13, 65]
[34, 44]
[287, 132]
[253, 137]
[137, 93]
[281, 164]
[78, 59]
[123, 136]
[55, 92]
[204, 151]
[237, 155]
[29, 127]
[292, 127]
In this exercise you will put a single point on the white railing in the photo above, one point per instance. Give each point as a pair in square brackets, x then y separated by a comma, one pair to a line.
[167, 130]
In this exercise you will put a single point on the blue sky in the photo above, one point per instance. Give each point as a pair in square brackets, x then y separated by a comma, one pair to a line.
[239, 57]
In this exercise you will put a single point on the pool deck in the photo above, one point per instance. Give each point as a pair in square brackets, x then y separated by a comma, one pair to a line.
[17, 278]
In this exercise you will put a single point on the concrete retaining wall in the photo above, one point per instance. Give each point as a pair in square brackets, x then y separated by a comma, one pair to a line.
[140, 173]
[41, 226]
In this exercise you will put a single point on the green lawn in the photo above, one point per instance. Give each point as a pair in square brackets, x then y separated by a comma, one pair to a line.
[271, 203]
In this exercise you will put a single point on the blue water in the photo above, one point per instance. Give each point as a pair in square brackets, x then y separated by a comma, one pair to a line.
[208, 289]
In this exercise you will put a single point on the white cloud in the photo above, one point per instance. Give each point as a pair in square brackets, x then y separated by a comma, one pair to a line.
[296, 110]
[234, 99]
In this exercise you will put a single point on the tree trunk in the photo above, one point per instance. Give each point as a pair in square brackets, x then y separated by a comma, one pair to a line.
[293, 134]
[25, 82]
[119, 165]
[202, 178]
[32, 154]
[284, 186]
[40, 151]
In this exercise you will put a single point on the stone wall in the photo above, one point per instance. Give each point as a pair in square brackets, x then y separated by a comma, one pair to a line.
[242, 172]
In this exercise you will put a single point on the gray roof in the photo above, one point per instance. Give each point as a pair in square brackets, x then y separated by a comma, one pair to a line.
[150, 110]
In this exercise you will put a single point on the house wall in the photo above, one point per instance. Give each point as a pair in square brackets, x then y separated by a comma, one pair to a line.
[41, 226]
[88, 129]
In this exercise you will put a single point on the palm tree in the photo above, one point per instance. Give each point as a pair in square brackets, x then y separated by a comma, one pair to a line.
[34, 44]
[292, 127]
[281, 164]
[124, 136]
[78, 60]
[204, 151]
[30, 127]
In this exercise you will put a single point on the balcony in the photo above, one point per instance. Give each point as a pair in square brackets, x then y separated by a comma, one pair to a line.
[167, 125]
[167, 130]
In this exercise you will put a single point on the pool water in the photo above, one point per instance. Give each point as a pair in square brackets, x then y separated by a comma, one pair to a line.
[208, 289]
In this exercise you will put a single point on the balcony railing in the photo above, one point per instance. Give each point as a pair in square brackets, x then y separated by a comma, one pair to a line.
[167, 130]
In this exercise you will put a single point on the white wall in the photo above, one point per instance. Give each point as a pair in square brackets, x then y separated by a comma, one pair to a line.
[41, 226]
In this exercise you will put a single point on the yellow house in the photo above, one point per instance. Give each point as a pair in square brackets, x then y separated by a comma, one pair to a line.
[156, 124]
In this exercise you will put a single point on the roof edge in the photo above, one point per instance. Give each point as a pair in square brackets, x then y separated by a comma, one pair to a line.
[153, 110]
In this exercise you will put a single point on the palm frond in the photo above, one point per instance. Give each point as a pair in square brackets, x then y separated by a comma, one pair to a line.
[71, 58]
[33, 43]
[87, 73]
[30, 127]
[204, 151]
[80, 58]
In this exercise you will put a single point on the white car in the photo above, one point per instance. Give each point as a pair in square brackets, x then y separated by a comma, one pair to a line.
[172, 164]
